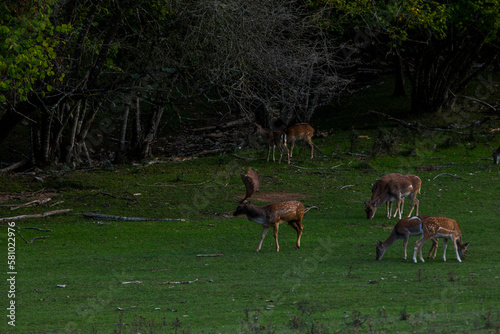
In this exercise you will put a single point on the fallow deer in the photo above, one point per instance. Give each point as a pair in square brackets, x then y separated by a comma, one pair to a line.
[273, 139]
[390, 188]
[496, 155]
[405, 228]
[300, 131]
[441, 227]
[273, 215]
[416, 183]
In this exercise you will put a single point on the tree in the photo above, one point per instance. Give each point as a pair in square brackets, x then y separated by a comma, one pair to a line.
[439, 42]
[267, 59]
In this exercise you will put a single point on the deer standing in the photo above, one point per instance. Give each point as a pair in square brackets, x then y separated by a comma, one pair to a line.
[441, 227]
[496, 155]
[300, 131]
[273, 215]
[405, 228]
[273, 139]
[416, 183]
[390, 188]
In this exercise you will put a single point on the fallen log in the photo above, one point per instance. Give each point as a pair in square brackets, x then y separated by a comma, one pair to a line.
[122, 218]
[209, 255]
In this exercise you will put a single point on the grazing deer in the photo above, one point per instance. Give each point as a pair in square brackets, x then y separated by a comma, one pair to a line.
[416, 183]
[273, 139]
[441, 227]
[300, 131]
[405, 228]
[384, 190]
[496, 155]
[273, 215]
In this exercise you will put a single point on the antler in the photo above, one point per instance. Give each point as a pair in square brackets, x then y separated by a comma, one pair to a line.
[252, 183]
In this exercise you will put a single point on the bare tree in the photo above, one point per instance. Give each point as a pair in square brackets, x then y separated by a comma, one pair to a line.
[268, 59]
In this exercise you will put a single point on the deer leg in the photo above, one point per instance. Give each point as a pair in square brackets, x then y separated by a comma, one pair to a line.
[456, 250]
[291, 148]
[268, 152]
[445, 244]
[276, 227]
[413, 204]
[418, 248]
[288, 152]
[405, 243]
[312, 147]
[298, 227]
[274, 149]
[264, 232]
[388, 206]
[280, 148]
[433, 250]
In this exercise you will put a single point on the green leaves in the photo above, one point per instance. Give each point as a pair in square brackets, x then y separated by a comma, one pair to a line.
[27, 48]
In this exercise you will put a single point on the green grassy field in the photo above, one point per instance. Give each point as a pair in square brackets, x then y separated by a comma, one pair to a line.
[100, 276]
[332, 284]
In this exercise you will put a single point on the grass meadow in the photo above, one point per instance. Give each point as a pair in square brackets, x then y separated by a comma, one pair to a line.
[114, 272]
[103, 276]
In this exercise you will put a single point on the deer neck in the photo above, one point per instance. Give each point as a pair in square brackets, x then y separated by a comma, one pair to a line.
[390, 240]
[256, 214]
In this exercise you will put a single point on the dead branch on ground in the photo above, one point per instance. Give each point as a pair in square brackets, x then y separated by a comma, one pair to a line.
[122, 218]
[452, 175]
[35, 202]
[209, 255]
[37, 215]
[179, 282]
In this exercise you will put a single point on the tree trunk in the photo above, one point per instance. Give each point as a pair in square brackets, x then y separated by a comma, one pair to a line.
[399, 81]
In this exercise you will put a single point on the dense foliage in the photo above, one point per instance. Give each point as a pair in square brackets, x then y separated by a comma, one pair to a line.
[78, 72]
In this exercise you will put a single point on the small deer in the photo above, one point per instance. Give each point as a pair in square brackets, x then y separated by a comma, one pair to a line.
[300, 131]
[441, 227]
[273, 139]
[405, 228]
[496, 155]
[390, 188]
[273, 215]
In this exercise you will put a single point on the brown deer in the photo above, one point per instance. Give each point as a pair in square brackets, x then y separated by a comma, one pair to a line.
[416, 183]
[496, 155]
[273, 215]
[273, 139]
[390, 188]
[441, 227]
[300, 131]
[405, 228]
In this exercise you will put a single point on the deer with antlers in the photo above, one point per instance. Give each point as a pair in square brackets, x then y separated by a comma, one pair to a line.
[273, 139]
[390, 188]
[441, 227]
[273, 215]
[405, 228]
[300, 131]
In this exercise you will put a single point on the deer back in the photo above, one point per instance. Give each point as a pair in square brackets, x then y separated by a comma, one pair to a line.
[416, 182]
[300, 131]
[441, 226]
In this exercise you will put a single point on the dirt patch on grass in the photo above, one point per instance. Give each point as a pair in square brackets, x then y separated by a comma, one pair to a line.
[273, 197]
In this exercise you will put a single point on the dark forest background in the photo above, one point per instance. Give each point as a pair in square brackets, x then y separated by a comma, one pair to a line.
[87, 81]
